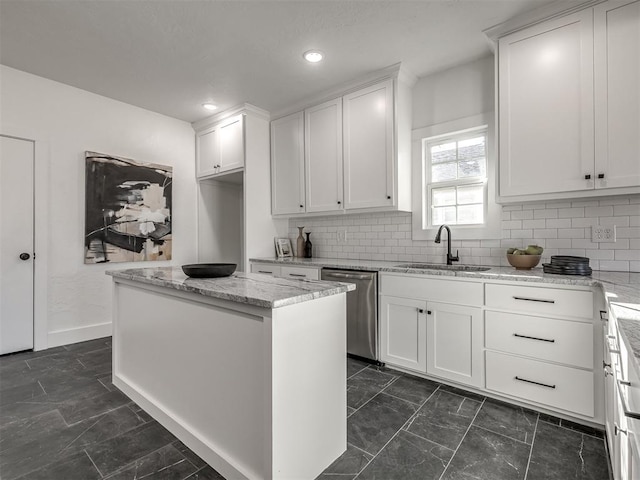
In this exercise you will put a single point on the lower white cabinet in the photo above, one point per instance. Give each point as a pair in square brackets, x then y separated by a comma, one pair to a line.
[403, 329]
[294, 272]
[454, 343]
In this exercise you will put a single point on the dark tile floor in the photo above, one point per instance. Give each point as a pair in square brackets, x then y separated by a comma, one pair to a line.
[61, 418]
[403, 427]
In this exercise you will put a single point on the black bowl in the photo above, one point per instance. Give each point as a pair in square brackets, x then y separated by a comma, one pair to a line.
[209, 270]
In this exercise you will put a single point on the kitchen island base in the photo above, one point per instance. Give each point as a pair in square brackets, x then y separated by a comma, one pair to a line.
[258, 393]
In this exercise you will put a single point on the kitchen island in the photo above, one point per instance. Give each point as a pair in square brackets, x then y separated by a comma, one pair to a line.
[249, 371]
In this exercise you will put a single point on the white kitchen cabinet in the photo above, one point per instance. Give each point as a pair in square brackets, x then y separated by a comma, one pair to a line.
[368, 147]
[293, 272]
[546, 107]
[617, 95]
[540, 346]
[357, 150]
[220, 147]
[403, 330]
[287, 165]
[455, 343]
[323, 156]
[569, 105]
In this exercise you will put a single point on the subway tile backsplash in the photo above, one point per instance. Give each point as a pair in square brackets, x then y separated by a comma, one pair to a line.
[562, 228]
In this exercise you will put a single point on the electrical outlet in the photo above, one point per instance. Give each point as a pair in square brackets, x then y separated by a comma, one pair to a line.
[603, 234]
[342, 235]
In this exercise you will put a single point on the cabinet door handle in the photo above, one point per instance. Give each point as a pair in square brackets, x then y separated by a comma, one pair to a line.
[623, 401]
[420, 310]
[527, 299]
[587, 177]
[301, 206]
[534, 338]
[388, 197]
[339, 202]
[617, 429]
[601, 175]
[297, 275]
[535, 383]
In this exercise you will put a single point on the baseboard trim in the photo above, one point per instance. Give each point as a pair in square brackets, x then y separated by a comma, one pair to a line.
[80, 334]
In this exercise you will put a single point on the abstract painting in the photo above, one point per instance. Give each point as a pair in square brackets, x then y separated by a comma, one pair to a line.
[127, 210]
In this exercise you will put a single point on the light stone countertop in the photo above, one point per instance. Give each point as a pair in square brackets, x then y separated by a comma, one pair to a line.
[248, 288]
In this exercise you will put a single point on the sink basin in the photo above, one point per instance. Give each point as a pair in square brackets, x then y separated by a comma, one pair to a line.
[437, 266]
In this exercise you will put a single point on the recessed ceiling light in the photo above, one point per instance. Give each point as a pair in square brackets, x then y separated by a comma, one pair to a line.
[209, 106]
[313, 56]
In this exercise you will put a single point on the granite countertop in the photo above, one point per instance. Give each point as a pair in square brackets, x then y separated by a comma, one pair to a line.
[619, 287]
[248, 288]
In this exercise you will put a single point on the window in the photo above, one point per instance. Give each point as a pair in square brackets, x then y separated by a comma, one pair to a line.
[456, 178]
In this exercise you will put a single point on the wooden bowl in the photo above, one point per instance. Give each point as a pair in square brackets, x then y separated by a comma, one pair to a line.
[209, 270]
[523, 262]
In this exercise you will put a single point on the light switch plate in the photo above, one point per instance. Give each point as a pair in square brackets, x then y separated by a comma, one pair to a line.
[600, 233]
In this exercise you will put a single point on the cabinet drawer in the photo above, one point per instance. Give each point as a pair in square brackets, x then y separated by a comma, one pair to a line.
[300, 273]
[559, 341]
[445, 291]
[556, 386]
[265, 268]
[540, 300]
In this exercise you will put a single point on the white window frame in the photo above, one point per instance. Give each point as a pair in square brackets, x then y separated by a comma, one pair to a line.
[422, 228]
[459, 182]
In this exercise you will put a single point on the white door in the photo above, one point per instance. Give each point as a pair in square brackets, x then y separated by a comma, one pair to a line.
[287, 165]
[368, 147]
[617, 76]
[403, 332]
[454, 346]
[16, 244]
[323, 156]
[231, 144]
[546, 107]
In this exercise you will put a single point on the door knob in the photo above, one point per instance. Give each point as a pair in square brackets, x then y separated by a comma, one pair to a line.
[25, 256]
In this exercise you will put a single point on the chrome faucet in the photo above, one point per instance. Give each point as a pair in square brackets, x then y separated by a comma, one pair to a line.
[450, 258]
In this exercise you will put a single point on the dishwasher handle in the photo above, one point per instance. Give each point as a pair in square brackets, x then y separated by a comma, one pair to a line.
[347, 276]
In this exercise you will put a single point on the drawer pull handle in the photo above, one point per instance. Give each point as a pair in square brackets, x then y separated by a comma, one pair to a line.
[264, 271]
[534, 338]
[623, 401]
[534, 300]
[535, 383]
[297, 275]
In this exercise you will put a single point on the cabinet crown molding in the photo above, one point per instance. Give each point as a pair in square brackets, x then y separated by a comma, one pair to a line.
[243, 108]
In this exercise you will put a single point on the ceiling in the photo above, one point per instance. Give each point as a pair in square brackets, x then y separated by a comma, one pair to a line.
[172, 56]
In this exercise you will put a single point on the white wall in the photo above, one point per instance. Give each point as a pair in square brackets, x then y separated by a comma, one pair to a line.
[65, 121]
[459, 92]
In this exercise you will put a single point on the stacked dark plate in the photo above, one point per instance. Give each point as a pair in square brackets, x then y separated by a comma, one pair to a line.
[568, 265]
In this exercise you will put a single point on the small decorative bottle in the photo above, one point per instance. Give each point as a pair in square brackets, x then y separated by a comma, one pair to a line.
[308, 247]
[300, 243]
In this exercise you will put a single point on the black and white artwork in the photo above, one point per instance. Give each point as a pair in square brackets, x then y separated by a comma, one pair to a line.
[127, 210]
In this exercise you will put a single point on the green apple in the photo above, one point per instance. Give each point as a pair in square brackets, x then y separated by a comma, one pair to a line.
[511, 250]
[534, 250]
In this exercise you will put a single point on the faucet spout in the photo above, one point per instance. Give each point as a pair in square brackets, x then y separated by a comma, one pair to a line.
[450, 258]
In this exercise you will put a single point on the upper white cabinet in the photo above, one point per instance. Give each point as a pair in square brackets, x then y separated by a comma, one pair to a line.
[220, 147]
[617, 87]
[368, 147]
[323, 156]
[546, 107]
[569, 105]
[287, 173]
[357, 151]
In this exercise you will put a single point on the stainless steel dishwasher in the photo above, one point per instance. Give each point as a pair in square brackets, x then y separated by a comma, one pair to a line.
[362, 310]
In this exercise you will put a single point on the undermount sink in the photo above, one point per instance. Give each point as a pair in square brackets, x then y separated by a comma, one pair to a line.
[437, 266]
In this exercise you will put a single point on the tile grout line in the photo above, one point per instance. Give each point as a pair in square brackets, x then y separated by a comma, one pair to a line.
[379, 392]
[462, 439]
[533, 440]
[93, 463]
[397, 432]
[503, 435]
